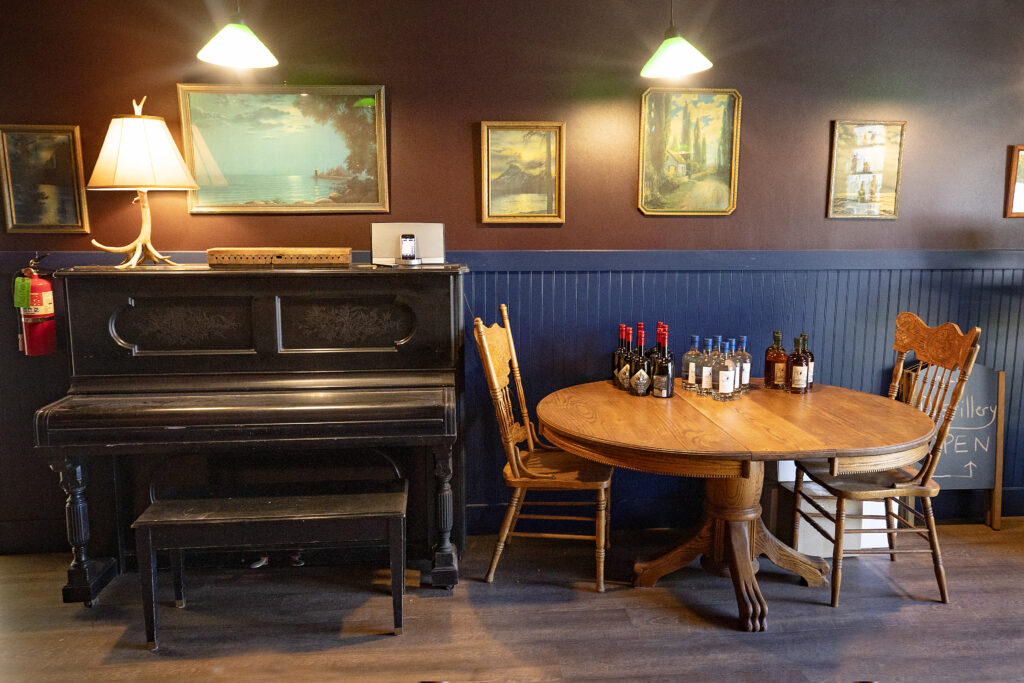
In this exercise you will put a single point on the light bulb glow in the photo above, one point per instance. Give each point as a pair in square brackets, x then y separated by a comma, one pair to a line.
[237, 46]
[675, 58]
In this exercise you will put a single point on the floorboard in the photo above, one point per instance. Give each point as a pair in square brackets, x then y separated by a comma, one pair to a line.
[539, 621]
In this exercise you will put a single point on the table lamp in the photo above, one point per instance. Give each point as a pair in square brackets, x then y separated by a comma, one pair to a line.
[139, 154]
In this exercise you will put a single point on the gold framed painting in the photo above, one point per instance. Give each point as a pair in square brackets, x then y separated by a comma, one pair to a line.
[689, 151]
[1015, 184]
[285, 148]
[864, 179]
[41, 180]
[522, 171]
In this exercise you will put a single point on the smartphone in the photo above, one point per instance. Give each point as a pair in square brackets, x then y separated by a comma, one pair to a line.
[408, 247]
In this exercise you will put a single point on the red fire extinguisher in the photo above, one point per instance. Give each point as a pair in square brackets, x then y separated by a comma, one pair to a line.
[33, 295]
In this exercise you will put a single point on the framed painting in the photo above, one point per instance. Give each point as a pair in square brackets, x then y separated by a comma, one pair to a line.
[522, 172]
[864, 180]
[689, 151]
[1015, 184]
[285, 148]
[41, 179]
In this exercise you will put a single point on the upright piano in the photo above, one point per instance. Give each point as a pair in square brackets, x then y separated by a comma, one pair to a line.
[171, 360]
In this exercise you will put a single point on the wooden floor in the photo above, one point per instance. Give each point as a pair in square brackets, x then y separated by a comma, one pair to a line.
[539, 621]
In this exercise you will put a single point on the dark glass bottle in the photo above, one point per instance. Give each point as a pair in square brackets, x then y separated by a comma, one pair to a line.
[640, 368]
[810, 361]
[663, 373]
[622, 376]
[796, 369]
[775, 363]
[617, 356]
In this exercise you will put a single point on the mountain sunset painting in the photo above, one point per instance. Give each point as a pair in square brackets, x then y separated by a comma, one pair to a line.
[523, 172]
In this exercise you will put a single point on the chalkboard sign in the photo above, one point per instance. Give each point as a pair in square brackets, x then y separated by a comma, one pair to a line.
[974, 442]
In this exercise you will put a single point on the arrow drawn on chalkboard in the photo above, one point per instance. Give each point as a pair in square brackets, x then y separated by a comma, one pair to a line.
[970, 468]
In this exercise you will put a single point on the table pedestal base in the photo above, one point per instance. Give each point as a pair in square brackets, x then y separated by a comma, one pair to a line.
[730, 537]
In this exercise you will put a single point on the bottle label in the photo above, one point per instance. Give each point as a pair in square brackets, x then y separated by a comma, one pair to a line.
[705, 377]
[624, 376]
[660, 386]
[799, 376]
[640, 382]
[725, 381]
[691, 375]
[780, 373]
[810, 372]
[745, 374]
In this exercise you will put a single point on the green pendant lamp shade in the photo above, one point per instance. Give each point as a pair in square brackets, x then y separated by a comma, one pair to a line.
[675, 57]
[237, 46]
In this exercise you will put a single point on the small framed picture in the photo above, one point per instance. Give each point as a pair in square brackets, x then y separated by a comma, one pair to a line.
[41, 179]
[1015, 184]
[864, 181]
[522, 172]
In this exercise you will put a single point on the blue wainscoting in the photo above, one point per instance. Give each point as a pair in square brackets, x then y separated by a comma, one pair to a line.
[565, 308]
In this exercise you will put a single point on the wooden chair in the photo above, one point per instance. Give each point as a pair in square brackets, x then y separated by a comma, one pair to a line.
[940, 351]
[536, 466]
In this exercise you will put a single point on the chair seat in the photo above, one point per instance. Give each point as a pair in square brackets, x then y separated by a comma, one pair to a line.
[561, 471]
[868, 485]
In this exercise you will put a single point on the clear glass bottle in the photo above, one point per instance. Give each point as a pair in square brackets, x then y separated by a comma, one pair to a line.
[688, 368]
[663, 374]
[723, 375]
[622, 379]
[640, 368]
[716, 347]
[810, 361]
[775, 363]
[743, 363]
[796, 369]
[704, 369]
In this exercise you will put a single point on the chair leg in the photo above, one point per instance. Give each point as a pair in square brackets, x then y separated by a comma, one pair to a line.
[837, 550]
[933, 539]
[396, 544]
[601, 522]
[178, 569]
[511, 515]
[798, 487]
[147, 578]
[608, 520]
[890, 523]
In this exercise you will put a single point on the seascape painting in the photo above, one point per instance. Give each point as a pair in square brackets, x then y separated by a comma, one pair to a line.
[689, 151]
[284, 149]
[865, 176]
[523, 176]
[41, 177]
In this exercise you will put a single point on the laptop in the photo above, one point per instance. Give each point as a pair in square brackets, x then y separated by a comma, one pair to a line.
[406, 244]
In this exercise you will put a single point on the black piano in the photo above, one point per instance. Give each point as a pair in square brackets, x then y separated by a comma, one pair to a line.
[281, 363]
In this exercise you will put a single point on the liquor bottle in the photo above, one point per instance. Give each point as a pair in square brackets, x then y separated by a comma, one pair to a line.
[656, 350]
[640, 368]
[622, 379]
[704, 369]
[723, 375]
[663, 374]
[796, 369]
[743, 363]
[810, 361]
[716, 348]
[689, 364]
[775, 363]
[617, 356]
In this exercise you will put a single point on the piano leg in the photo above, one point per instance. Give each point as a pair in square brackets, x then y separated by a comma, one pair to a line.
[445, 570]
[86, 577]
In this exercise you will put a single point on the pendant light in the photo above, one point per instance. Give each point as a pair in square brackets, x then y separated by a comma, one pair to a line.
[675, 57]
[237, 46]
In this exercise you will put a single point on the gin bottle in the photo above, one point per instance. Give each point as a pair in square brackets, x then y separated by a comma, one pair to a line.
[704, 369]
[691, 377]
[743, 363]
[723, 375]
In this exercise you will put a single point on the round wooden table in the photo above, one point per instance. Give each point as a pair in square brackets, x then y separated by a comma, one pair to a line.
[727, 443]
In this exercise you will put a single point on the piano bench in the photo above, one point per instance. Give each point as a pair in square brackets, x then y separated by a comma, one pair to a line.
[264, 522]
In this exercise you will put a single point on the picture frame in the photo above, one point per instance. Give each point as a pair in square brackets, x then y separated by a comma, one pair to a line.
[285, 148]
[866, 164]
[522, 171]
[41, 179]
[689, 151]
[1015, 184]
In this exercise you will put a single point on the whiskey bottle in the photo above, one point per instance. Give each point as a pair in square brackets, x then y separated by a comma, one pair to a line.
[810, 361]
[775, 363]
[622, 378]
[796, 369]
[663, 375]
[689, 364]
[617, 356]
[640, 368]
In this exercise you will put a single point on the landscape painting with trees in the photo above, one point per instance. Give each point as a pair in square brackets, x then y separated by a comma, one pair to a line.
[293, 149]
[523, 169]
[689, 151]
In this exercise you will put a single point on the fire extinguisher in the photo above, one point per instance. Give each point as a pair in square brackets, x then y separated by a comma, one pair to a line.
[33, 295]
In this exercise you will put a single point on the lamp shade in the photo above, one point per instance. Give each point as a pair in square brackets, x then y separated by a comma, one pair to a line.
[675, 58]
[139, 154]
[237, 46]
